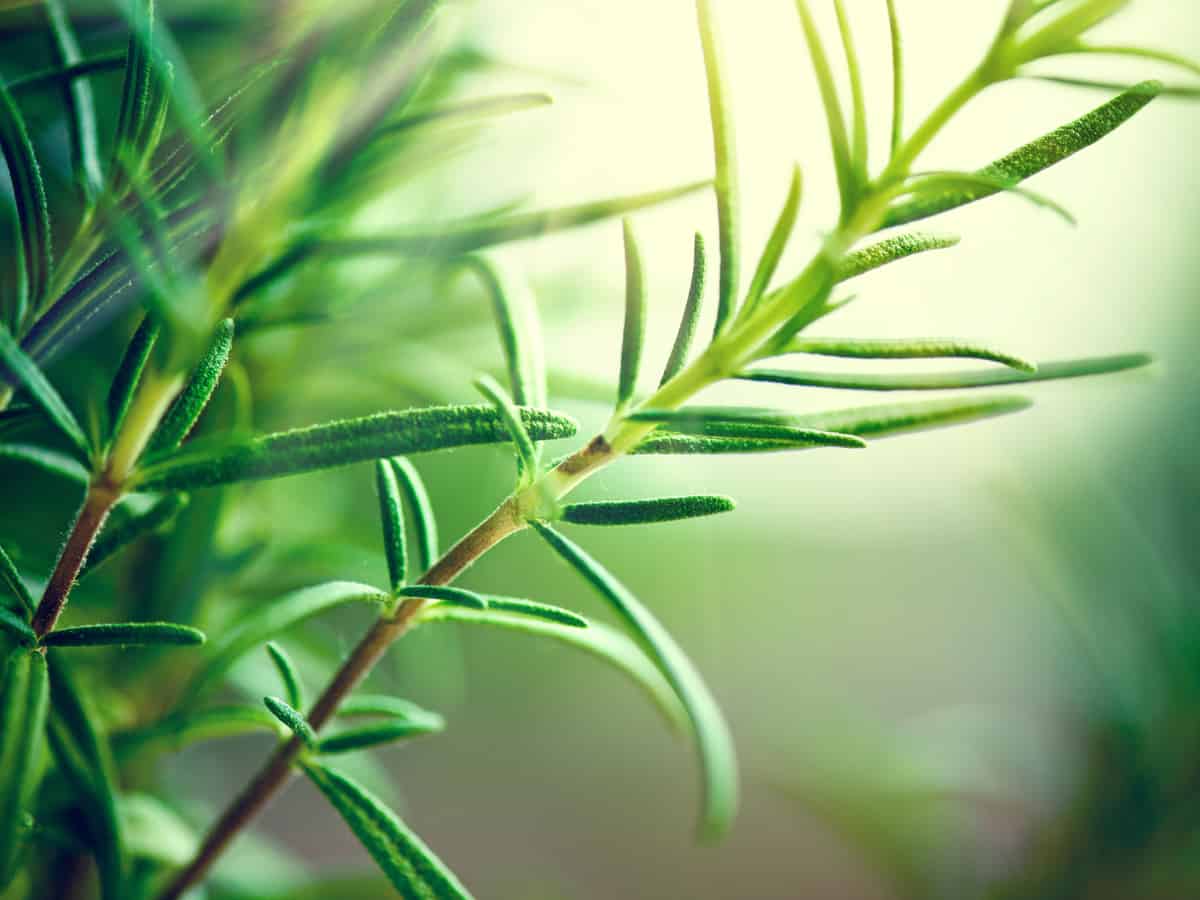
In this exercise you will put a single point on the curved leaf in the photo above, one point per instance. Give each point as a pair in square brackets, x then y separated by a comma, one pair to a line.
[293, 686]
[188, 406]
[904, 348]
[293, 719]
[902, 246]
[25, 374]
[391, 518]
[691, 314]
[527, 464]
[368, 736]
[33, 214]
[424, 524]
[125, 634]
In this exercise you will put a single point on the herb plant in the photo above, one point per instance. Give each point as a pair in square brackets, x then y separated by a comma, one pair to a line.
[194, 226]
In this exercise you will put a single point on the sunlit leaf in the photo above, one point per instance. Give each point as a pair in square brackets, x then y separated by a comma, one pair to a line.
[891, 250]
[691, 314]
[842, 157]
[898, 418]
[904, 348]
[773, 251]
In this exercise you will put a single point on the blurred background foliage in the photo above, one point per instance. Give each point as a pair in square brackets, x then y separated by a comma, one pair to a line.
[965, 665]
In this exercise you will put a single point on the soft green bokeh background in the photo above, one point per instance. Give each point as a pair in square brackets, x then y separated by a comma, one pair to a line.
[911, 642]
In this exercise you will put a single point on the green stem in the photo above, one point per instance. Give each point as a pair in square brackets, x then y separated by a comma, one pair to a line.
[904, 157]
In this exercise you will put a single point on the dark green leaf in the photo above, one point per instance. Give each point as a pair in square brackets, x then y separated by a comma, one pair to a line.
[937, 381]
[445, 594]
[726, 184]
[711, 734]
[1034, 157]
[125, 634]
[423, 522]
[891, 250]
[269, 620]
[691, 314]
[16, 586]
[368, 736]
[633, 336]
[391, 517]
[293, 719]
[85, 151]
[22, 735]
[188, 406]
[293, 687]
[410, 866]
[639, 512]
[522, 607]
[48, 460]
[101, 62]
[129, 374]
[737, 422]
[345, 442]
[358, 705]
[510, 415]
[117, 536]
[17, 627]
[27, 375]
[33, 215]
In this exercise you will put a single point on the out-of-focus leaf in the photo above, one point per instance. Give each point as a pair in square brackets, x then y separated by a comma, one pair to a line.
[23, 703]
[26, 374]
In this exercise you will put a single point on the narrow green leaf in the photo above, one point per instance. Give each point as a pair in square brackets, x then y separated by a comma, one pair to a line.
[858, 100]
[633, 336]
[743, 439]
[421, 509]
[188, 406]
[391, 517]
[891, 250]
[640, 512]
[368, 736]
[520, 333]
[27, 375]
[466, 111]
[48, 461]
[360, 705]
[718, 420]
[83, 755]
[17, 628]
[11, 577]
[294, 720]
[85, 152]
[269, 620]
[935, 184]
[445, 594]
[711, 734]
[409, 865]
[773, 251]
[117, 536]
[724, 151]
[33, 214]
[1034, 157]
[101, 62]
[22, 735]
[1150, 54]
[598, 640]
[1186, 92]
[1060, 34]
[129, 373]
[842, 157]
[938, 381]
[897, 76]
[527, 463]
[181, 730]
[897, 418]
[691, 314]
[904, 348]
[521, 607]
[293, 686]
[345, 442]
[125, 634]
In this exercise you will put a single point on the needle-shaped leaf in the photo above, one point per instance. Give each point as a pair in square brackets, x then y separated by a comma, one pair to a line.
[23, 696]
[1060, 33]
[521, 607]
[125, 634]
[18, 629]
[364, 705]
[1187, 92]
[691, 314]
[33, 214]
[25, 373]
[101, 62]
[897, 76]
[345, 442]
[899, 418]
[271, 619]
[730, 421]
[773, 251]
[367, 736]
[858, 103]
[604, 643]
[391, 517]
[710, 732]
[466, 111]
[1034, 157]
[293, 719]
[181, 730]
[293, 687]
[50, 461]
[85, 152]
[938, 381]
[188, 406]
[739, 438]
[510, 415]
[83, 755]
[891, 250]
[425, 535]
[407, 862]
[633, 336]
[640, 512]
[520, 332]
[445, 594]
[11, 577]
[903, 348]
[933, 185]
[1150, 54]
[724, 151]
[129, 373]
[120, 534]
[840, 143]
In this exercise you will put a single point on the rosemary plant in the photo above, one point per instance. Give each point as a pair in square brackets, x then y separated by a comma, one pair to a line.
[194, 220]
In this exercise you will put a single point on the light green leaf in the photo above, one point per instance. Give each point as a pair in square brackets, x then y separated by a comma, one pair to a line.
[527, 462]
[188, 406]
[466, 111]
[293, 719]
[633, 336]
[741, 422]
[125, 634]
[387, 706]
[181, 730]
[345, 442]
[293, 686]
[897, 418]
[424, 524]
[858, 100]
[891, 250]
[691, 314]
[773, 251]
[930, 186]
[904, 348]
[711, 734]
[391, 517]
[26, 374]
[640, 512]
[848, 186]
[23, 707]
[409, 865]
[897, 76]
